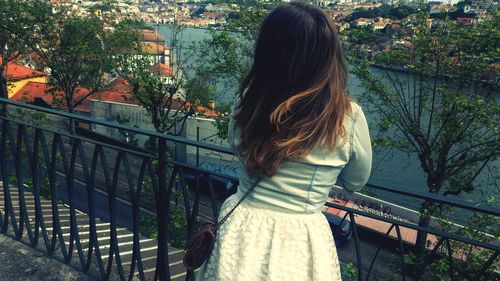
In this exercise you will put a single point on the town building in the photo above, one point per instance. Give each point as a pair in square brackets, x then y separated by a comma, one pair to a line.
[18, 76]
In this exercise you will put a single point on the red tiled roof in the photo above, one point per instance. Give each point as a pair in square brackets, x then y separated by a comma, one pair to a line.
[115, 96]
[465, 21]
[213, 15]
[207, 111]
[14, 71]
[151, 35]
[33, 90]
[128, 98]
[162, 69]
[203, 110]
[120, 84]
[442, 6]
[153, 48]
[119, 92]
[363, 20]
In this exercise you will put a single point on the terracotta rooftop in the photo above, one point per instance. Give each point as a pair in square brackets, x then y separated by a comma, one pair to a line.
[120, 91]
[153, 48]
[151, 36]
[213, 15]
[120, 84]
[15, 71]
[33, 90]
[162, 69]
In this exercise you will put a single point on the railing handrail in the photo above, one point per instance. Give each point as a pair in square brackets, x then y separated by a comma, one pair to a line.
[440, 199]
[150, 133]
[460, 203]
[162, 177]
[430, 230]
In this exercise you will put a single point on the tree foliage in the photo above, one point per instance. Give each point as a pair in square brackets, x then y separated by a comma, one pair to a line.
[364, 35]
[221, 62]
[442, 110]
[385, 11]
[12, 26]
[156, 92]
[128, 24]
[224, 59]
[456, 260]
[71, 47]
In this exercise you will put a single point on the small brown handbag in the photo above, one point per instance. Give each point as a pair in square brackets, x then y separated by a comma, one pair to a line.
[200, 245]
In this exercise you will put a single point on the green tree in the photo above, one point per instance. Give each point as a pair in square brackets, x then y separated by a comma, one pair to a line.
[479, 227]
[362, 35]
[401, 12]
[128, 24]
[466, 259]
[442, 111]
[223, 60]
[73, 48]
[164, 96]
[12, 34]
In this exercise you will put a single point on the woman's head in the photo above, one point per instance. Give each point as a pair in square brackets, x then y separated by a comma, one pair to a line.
[294, 95]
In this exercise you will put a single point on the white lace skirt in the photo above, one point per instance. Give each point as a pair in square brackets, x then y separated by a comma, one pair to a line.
[257, 245]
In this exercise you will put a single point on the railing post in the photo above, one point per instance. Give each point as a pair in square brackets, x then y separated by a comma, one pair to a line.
[163, 210]
[356, 243]
[197, 148]
[163, 174]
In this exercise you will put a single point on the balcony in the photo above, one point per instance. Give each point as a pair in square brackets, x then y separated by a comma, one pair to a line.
[116, 211]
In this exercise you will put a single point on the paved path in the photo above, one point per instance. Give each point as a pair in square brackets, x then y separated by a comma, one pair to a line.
[20, 262]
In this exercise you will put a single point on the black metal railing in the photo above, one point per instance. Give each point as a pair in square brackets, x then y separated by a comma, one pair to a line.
[157, 202]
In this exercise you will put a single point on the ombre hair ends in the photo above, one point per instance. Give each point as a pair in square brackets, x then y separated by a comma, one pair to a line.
[294, 97]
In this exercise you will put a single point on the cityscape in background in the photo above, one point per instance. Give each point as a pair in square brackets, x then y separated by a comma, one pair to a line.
[367, 31]
[366, 28]
[148, 85]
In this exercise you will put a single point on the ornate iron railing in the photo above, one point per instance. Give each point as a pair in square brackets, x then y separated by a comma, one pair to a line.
[97, 189]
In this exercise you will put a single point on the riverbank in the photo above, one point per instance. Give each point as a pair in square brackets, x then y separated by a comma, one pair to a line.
[206, 28]
[405, 70]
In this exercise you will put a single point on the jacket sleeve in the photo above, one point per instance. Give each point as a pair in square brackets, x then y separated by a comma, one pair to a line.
[356, 172]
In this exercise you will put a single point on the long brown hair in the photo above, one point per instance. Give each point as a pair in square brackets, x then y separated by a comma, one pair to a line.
[294, 96]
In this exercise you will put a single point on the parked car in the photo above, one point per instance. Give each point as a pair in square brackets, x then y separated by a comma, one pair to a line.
[223, 187]
[341, 228]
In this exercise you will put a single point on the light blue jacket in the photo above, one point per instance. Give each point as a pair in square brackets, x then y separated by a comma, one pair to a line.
[302, 185]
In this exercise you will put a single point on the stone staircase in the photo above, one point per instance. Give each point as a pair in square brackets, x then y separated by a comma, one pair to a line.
[125, 236]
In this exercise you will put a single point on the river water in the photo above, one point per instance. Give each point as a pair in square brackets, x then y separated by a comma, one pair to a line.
[391, 168]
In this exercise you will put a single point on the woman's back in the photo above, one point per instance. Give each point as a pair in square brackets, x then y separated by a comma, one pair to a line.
[296, 134]
[301, 185]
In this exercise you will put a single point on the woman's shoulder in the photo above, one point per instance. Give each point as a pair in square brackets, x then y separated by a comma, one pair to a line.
[354, 112]
[339, 156]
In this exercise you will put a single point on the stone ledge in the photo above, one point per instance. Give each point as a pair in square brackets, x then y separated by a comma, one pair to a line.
[20, 262]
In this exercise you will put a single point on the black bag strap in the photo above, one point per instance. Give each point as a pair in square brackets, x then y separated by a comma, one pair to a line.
[223, 220]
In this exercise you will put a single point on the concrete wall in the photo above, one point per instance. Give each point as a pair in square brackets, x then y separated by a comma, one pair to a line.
[196, 128]
[125, 114]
